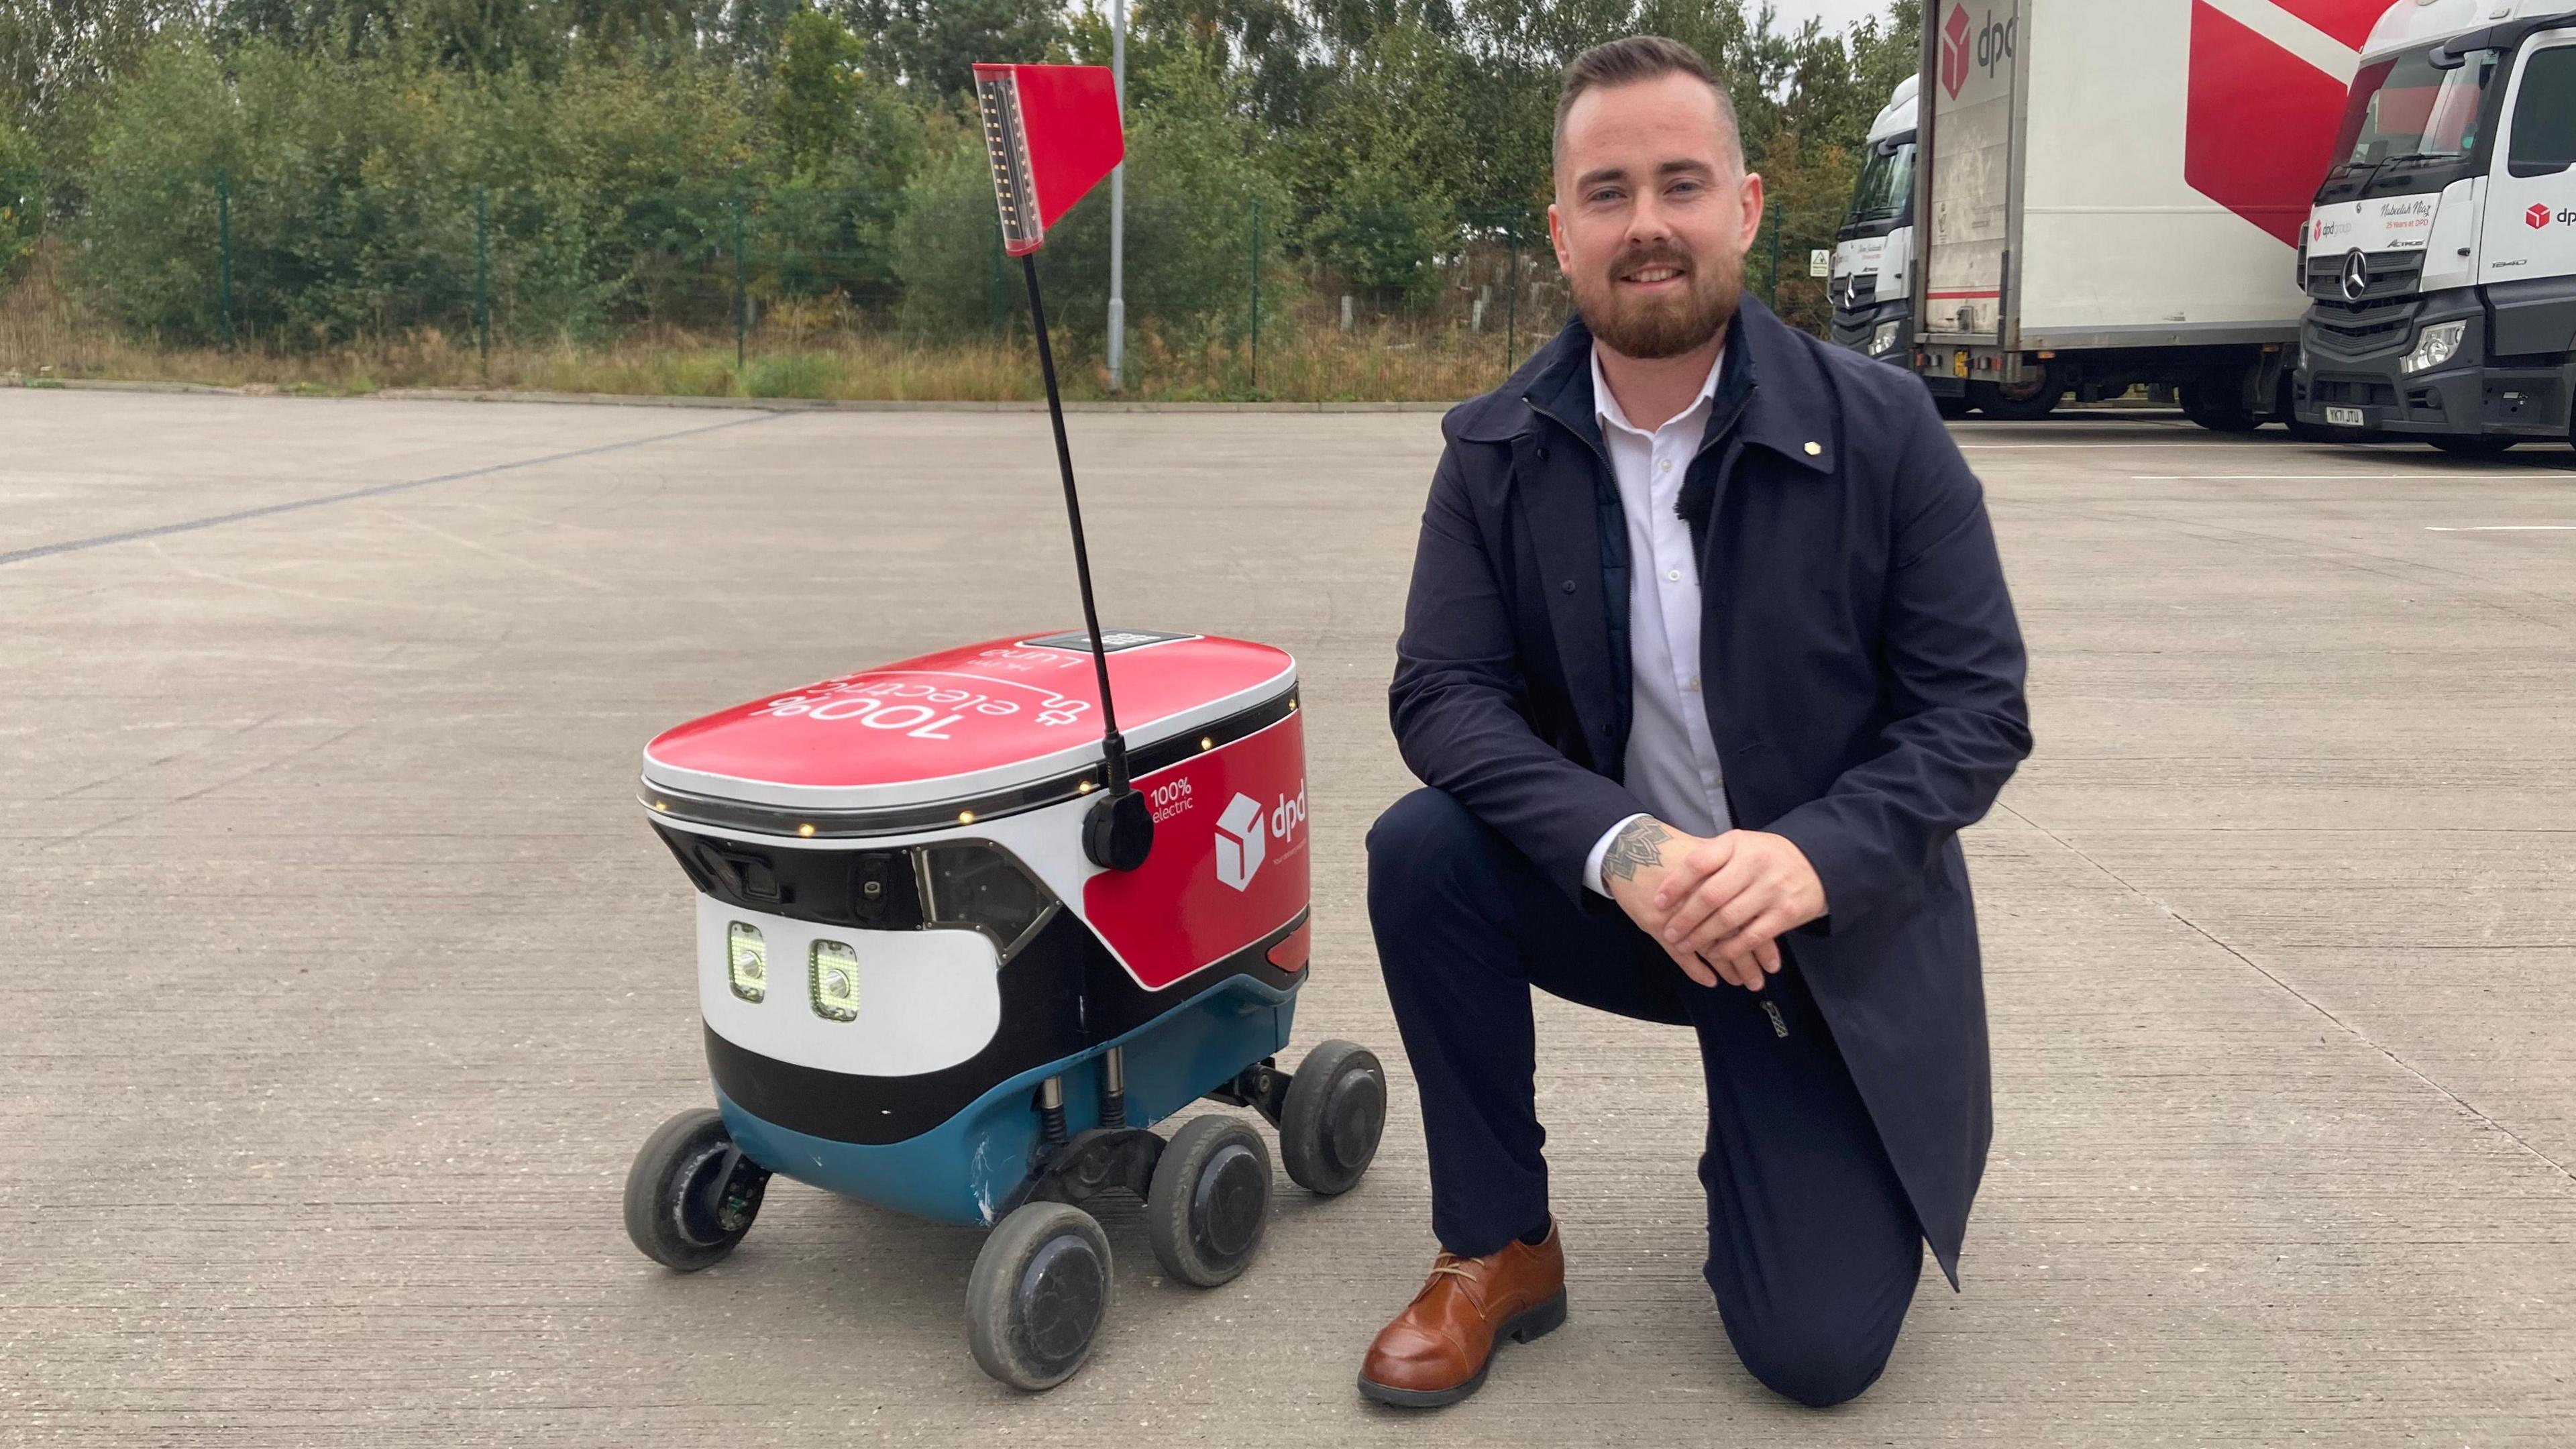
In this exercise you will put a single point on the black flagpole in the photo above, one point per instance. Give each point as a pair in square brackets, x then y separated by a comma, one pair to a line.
[1117, 833]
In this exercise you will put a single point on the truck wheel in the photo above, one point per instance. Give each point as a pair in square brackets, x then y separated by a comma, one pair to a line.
[1335, 1112]
[2218, 404]
[1037, 1295]
[691, 1194]
[2473, 447]
[1210, 1200]
[2026, 402]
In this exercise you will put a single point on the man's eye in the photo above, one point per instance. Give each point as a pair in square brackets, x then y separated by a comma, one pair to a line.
[1605, 194]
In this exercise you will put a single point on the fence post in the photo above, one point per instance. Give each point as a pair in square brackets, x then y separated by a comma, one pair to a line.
[741, 318]
[1775, 261]
[482, 279]
[1512, 306]
[1256, 296]
[997, 278]
[224, 249]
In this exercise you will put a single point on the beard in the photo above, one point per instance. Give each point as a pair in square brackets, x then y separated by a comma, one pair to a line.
[1661, 326]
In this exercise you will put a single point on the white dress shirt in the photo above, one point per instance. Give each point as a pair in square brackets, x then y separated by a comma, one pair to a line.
[1672, 758]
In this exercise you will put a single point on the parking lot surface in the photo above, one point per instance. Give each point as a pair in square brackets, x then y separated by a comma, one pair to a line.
[342, 978]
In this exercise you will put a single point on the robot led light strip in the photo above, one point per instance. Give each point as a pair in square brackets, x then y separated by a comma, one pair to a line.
[962, 941]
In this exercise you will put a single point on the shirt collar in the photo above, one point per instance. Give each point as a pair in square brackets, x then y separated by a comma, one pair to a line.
[1607, 409]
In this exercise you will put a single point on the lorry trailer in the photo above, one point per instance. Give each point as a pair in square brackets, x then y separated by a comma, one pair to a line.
[2111, 195]
[2440, 258]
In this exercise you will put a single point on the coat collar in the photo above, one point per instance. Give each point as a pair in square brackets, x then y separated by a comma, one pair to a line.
[1787, 406]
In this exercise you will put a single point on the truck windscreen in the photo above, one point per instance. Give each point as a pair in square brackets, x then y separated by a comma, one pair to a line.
[1885, 189]
[2406, 113]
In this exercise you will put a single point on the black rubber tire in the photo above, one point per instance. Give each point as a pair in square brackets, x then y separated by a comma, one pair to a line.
[1210, 1200]
[1038, 1293]
[1334, 1115]
[1951, 408]
[2474, 447]
[691, 1194]
[1990, 399]
[2218, 404]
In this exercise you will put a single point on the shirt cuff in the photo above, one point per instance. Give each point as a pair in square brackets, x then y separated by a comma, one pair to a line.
[1600, 848]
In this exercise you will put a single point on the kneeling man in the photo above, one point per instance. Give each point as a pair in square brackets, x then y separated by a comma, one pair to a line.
[1707, 661]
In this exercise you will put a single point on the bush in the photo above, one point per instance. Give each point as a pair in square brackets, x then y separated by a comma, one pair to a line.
[352, 188]
[1384, 235]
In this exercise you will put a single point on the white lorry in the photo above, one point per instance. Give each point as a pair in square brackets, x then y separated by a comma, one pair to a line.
[1874, 250]
[2441, 255]
[2113, 194]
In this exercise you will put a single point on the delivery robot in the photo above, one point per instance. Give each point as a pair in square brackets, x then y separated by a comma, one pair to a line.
[962, 943]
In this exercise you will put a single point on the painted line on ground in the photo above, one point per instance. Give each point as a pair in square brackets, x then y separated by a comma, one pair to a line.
[2326, 477]
[378, 490]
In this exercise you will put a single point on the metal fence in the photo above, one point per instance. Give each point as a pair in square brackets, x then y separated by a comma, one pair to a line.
[786, 272]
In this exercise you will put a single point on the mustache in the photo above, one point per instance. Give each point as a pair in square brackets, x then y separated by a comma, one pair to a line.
[1658, 255]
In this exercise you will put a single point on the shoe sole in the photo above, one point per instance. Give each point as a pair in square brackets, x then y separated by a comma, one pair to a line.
[1526, 1326]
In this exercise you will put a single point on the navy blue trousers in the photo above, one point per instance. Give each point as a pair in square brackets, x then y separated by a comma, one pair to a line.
[1813, 1250]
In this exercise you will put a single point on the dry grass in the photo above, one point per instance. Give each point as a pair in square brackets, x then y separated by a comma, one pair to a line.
[47, 333]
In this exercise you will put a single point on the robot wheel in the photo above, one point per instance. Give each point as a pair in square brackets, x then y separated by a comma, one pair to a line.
[1210, 1200]
[1037, 1295]
[1333, 1114]
[691, 1194]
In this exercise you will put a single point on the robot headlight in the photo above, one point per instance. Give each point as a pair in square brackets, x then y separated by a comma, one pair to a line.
[976, 884]
[747, 961]
[832, 977]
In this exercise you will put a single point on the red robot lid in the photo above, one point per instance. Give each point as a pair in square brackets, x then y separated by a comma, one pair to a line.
[966, 723]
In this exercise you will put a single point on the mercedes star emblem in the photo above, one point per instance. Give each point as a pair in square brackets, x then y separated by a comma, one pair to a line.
[2356, 276]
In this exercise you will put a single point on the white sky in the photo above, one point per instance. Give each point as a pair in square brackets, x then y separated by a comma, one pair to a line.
[1835, 13]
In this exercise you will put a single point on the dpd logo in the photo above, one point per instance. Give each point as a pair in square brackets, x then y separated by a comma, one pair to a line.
[2539, 216]
[1243, 835]
[1241, 841]
[1965, 44]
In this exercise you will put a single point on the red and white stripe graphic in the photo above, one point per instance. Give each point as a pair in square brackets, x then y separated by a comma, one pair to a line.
[2268, 79]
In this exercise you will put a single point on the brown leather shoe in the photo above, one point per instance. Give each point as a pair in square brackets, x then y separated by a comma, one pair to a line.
[1437, 1349]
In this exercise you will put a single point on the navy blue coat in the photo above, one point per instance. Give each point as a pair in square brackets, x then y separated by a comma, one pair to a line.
[1864, 674]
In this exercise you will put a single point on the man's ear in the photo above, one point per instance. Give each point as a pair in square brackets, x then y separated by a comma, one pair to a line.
[1556, 238]
[1751, 192]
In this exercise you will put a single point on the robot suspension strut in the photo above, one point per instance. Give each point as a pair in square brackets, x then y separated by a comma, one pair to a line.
[1079, 1168]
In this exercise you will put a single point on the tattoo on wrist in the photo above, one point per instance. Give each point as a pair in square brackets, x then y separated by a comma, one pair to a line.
[1640, 844]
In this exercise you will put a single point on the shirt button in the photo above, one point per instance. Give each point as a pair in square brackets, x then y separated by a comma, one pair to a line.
[1666, 465]
[1675, 576]
[1694, 684]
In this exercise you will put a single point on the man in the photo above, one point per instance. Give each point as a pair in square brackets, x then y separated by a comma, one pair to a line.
[1707, 661]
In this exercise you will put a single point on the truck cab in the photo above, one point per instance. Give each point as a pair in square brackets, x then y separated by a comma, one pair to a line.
[1874, 250]
[2440, 257]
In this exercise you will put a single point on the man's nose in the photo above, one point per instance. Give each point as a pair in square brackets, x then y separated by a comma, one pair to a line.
[1648, 221]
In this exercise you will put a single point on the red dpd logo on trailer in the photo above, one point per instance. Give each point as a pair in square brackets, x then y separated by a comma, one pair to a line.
[2538, 216]
[2261, 120]
[1993, 44]
[1954, 52]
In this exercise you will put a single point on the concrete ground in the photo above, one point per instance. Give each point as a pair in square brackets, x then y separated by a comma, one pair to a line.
[340, 978]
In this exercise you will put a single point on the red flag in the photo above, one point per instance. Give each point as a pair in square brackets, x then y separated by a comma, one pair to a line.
[1053, 131]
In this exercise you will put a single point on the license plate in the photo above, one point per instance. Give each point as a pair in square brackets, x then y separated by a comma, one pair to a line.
[2345, 417]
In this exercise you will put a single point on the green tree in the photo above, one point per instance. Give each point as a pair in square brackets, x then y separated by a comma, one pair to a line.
[848, 145]
[22, 210]
[932, 45]
[1191, 188]
[819, 91]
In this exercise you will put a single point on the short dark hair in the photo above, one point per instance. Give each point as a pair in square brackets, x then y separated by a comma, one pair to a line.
[1638, 58]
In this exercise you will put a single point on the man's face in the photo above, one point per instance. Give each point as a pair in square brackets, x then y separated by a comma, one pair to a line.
[1653, 215]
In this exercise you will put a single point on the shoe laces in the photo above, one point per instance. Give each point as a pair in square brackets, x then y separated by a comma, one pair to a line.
[1454, 1267]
